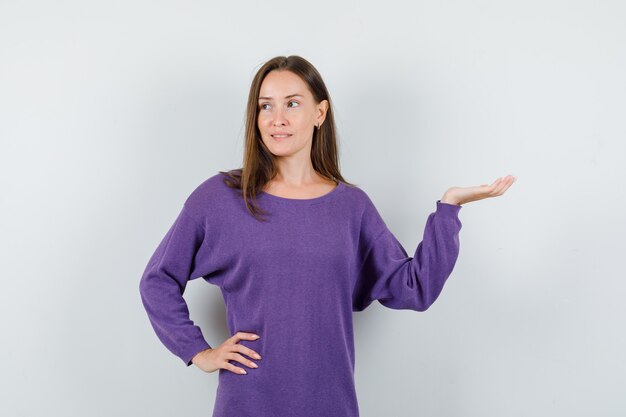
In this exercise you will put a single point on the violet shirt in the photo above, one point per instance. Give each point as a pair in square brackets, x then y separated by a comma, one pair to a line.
[295, 281]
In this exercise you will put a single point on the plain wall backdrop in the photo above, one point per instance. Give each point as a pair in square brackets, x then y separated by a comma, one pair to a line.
[111, 113]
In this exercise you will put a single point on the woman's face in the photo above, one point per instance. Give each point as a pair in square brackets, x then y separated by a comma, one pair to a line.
[286, 106]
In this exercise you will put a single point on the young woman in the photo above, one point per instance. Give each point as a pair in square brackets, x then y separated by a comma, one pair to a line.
[295, 249]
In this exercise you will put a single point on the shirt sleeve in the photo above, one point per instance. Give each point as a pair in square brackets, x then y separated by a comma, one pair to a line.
[164, 281]
[401, 282]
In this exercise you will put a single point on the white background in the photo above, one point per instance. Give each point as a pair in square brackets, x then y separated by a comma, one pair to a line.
[111, 113]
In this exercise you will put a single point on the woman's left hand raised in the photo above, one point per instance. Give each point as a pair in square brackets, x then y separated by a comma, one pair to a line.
[462, 195]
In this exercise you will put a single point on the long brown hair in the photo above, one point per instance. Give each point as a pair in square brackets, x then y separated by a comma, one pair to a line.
[258, 162]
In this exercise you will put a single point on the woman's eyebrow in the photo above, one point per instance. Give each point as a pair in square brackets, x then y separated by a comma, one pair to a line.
[289, 96]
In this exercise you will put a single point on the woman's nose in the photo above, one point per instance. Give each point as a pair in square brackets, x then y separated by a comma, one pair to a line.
[279, 118]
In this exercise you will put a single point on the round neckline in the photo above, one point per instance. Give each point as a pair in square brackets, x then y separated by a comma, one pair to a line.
[323, 197]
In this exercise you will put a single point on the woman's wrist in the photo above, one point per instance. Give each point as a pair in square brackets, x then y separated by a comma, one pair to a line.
[448, 200]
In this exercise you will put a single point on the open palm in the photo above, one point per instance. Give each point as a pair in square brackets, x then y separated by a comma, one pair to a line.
[462, 195]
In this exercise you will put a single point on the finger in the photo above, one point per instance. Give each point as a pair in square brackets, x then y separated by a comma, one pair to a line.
[502, 181]
[243, 336]
[504, 184]
[246, 350]
[495, 183]
[508, 184]
[498, 189]
[230, 367]
[240, 358]
[488, 190]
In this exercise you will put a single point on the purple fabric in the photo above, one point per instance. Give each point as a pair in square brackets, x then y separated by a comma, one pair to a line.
[295, 281]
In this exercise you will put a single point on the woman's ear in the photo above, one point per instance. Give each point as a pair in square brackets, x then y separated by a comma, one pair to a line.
[322, 108]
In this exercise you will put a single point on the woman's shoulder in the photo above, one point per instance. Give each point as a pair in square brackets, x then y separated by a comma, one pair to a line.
[365, 209]
[211, 193]
[211, 185]
[358, 195]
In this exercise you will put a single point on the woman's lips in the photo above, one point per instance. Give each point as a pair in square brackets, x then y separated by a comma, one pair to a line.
[278, 137]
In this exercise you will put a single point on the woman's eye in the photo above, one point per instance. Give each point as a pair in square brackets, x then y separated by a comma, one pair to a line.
[262, 106]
